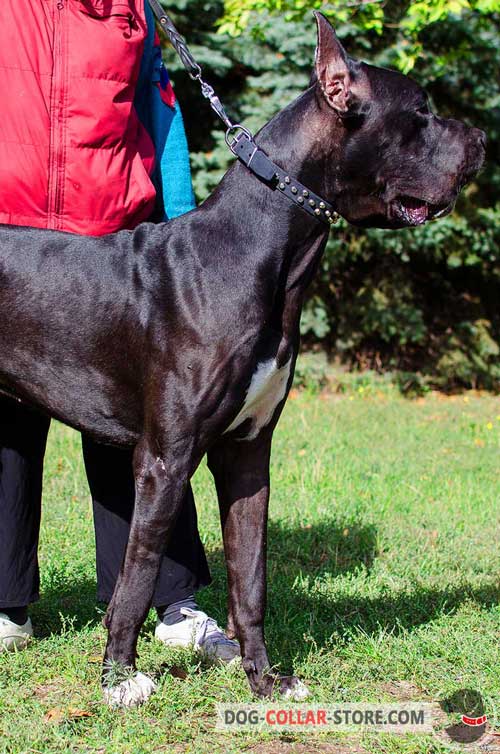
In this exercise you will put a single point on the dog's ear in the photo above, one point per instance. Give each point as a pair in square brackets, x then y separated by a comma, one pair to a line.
[332, 66]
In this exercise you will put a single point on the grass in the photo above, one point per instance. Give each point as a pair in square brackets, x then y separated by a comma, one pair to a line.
[383, 575]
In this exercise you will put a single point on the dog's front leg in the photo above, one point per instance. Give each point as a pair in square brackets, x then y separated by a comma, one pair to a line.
[161, 484]
[241, 473]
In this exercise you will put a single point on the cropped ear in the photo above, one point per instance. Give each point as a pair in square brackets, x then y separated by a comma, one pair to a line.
[332, 66]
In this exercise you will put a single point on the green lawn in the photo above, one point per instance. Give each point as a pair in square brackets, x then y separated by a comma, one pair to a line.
[383, 581]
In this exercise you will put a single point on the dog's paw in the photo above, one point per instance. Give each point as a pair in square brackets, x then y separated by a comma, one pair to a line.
[293, 689]
[130, 693]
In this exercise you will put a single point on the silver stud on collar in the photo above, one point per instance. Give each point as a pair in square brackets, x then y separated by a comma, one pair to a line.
[317, 211]
[312, 203]
[322, 205]
[282, 186]
[294, 189]
[287, 179]
[305, 192]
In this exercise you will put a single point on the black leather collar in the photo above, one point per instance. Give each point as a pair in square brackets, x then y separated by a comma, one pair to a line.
[256, 160]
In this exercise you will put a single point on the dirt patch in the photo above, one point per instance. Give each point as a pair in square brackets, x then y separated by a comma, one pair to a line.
[45, 690]
[404, 691]
[288, 747]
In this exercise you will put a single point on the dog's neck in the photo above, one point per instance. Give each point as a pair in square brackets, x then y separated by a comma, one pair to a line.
[274, 239]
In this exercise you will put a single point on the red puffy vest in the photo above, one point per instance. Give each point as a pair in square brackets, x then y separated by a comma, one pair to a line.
[73, 154]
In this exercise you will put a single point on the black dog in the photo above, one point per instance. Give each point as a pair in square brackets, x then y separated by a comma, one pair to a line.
[180, 339]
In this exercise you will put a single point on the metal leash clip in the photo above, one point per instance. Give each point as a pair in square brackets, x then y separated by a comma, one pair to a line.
[215, 103]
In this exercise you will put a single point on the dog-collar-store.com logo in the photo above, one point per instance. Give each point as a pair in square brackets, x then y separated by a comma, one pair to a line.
[471, 717]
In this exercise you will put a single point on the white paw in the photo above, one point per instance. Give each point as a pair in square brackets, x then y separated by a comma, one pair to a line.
[130, 693]
[298, 692]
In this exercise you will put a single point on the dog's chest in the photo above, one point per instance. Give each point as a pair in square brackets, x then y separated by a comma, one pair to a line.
[267, 389]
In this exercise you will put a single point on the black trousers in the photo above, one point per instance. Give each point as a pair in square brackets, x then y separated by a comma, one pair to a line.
[23, 437]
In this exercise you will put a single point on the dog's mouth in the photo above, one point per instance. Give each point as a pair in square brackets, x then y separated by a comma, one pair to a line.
[412, 211]
[403, 211]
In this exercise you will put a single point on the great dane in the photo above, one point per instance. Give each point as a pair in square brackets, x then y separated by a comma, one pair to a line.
[180, 339]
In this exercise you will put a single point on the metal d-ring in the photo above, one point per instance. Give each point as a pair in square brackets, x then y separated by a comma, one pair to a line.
[236, 127]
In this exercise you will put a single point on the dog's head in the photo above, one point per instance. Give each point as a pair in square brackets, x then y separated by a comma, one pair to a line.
[400, 164]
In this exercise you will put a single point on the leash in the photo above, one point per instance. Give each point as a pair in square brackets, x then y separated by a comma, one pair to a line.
[239, 139]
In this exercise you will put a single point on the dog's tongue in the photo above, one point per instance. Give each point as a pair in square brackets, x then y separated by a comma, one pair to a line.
[415, 210]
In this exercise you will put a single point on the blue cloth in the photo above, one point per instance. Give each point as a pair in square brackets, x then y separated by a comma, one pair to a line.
[172, 175]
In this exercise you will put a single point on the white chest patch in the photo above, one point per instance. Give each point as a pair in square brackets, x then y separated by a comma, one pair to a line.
[267, 389]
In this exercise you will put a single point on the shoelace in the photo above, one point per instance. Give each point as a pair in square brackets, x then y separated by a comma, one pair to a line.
[206, 632]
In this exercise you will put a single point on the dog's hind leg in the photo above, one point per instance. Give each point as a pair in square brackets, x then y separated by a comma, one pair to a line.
[241, 473]
[161, 484]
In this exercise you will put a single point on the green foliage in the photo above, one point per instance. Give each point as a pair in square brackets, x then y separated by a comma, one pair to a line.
[239, 16]
[411, 19]
[422, 300]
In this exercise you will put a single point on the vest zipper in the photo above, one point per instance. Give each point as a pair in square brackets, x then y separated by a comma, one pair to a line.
[58, 96]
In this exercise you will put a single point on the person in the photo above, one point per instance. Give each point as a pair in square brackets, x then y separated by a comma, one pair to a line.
[91, 141]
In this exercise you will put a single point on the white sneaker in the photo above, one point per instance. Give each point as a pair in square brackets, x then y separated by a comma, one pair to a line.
[200, 632]
[13, 636]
